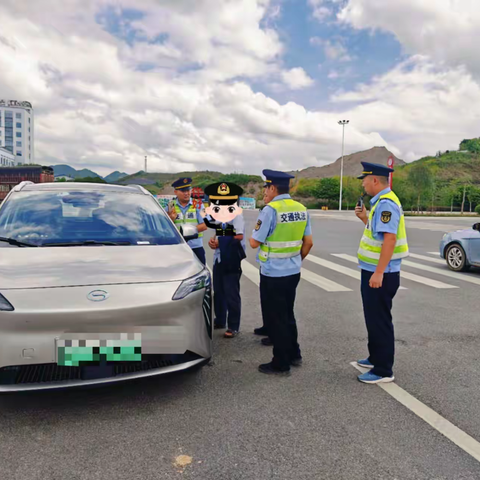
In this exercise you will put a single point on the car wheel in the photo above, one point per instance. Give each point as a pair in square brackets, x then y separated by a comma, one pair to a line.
[456, 258]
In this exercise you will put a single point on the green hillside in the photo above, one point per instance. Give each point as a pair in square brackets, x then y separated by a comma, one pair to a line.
[448, 167]
[447, 182]
[161, 182]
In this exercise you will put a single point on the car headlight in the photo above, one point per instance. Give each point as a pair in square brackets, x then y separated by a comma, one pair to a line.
[5, 305]
[192, 284]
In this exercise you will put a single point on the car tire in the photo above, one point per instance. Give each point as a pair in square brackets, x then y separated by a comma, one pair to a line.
[456, 258]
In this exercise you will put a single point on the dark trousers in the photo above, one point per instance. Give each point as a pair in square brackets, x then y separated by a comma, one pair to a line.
[226, 297]
[377, 307]
[200, 253]
[277, 297]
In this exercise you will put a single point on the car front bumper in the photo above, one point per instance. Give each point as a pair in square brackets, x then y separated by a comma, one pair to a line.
[175, 334]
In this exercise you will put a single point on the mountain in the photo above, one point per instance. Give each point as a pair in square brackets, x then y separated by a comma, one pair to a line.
[115, 176]
[71, 172]
[64, 170]
[451, 166]
[351, 164]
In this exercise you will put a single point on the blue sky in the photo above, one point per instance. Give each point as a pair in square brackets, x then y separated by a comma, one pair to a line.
[178, 80]
[371, 54]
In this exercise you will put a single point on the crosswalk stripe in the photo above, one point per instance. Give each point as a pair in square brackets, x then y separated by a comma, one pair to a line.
[467, 443]
[464, 277]
[338, 268]
[427, 259]
[409, 276]
[253, 274]
[322, 282]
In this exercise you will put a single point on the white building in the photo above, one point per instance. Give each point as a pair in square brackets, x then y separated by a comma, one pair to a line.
[17, 130]
[7, 158]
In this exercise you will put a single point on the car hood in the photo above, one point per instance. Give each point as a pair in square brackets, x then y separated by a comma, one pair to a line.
[95, 265]
[463, 234]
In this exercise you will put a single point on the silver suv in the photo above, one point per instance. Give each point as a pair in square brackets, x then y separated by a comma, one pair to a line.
[96, 285]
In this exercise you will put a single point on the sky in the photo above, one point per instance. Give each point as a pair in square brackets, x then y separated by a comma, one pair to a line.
[240, 85]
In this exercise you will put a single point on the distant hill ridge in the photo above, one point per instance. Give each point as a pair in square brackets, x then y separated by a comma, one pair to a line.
[352, 166]
[67, 170]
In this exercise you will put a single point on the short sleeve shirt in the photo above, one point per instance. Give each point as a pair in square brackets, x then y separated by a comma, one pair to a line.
[266, 223]
[197, 242]
[386, 219]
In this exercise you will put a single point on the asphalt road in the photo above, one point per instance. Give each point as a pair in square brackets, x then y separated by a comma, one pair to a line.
[320, 423]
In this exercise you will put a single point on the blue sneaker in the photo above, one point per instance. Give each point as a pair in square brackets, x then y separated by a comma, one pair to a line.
[364, 363]
[369, 377]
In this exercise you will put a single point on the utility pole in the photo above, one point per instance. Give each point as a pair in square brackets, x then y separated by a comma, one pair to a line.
[343, 123]
[145, 164]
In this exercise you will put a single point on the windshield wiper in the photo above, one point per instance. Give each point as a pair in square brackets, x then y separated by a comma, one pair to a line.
[82, 243]
[18, 243]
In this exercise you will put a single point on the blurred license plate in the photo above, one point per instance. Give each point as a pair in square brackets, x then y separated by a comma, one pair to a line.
[91, 350]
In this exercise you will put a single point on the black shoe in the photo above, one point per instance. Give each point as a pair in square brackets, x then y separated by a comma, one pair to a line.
[267, 342]
[217, 326]
[269, 369]
[296, 362]
[262, 331]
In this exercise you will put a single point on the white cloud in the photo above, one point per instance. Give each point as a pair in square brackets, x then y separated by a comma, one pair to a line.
[445, 30]
[335, 74]
[95, 108]
[423, 107]
[334, 50]
[297, 78]
[320, 12]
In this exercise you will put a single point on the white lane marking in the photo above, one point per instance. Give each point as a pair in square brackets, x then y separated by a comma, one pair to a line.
[322, 282]
[434, 227]
[464, 277]
[338, 268]
[428, 259]
[467, 443]
[336, 217]
[251, 272]
[437, 254]
[409, 276]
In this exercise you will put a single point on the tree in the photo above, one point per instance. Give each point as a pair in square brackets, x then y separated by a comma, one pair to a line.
[421, 180]
[90, 180]
[472, 145]
[307, 187]
[328, 189]
[352, 189]
[473, 195]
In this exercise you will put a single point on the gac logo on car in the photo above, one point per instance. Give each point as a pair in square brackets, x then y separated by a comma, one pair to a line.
[98, 295]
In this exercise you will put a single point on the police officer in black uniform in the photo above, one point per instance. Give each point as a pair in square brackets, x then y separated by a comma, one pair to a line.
[229, 244]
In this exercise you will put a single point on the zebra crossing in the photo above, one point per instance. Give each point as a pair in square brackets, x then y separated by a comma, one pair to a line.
[429, 264]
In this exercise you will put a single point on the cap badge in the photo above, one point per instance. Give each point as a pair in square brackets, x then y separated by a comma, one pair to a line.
[185, 180]
[223, 189]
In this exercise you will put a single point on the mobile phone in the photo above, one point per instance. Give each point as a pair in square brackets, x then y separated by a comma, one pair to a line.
[171, 205]
[360, 202]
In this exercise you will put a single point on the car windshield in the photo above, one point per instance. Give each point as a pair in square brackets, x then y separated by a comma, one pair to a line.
[77, 217]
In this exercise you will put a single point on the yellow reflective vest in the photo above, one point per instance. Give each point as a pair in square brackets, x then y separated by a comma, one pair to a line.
[370, 248]
[287, 238]
[190, 217]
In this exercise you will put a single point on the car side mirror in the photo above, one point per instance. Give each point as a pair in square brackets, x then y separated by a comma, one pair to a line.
[476, 226]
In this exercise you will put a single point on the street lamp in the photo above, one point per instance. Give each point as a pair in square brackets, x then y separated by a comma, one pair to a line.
[342, 123]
